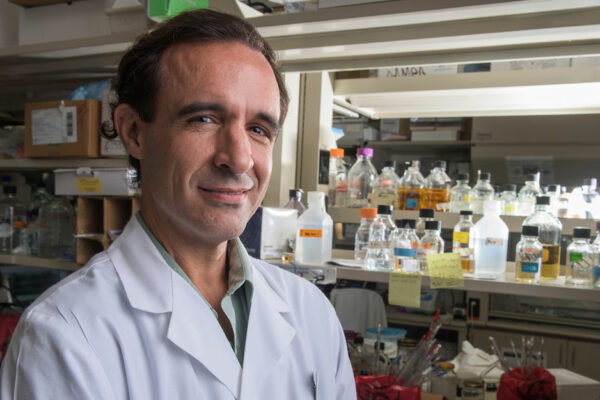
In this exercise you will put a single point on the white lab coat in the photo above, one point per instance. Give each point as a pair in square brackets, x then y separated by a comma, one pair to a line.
[127, 326]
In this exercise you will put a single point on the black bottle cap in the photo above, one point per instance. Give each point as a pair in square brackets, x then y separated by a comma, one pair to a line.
[590, 182]
[466, 212]
[529, 230]
[426, 213]
[530, 177]
[406, 223]
[439, 164]
[486, 176]
[542, 200]
[390, 163]
[509, 187]
[9, 189]
[553, 188]
[581, 233]
[297, 193]
[381, 346]
[359, 340]
[462, 177]
[386, 210]
[433, 225]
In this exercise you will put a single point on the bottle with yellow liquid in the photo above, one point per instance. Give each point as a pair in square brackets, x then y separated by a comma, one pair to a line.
[528, 256]
[462, 240]
[438, 186]
[413, 186]
[550, 232]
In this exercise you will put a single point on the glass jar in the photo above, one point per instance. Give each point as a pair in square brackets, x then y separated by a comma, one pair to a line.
[473, 389]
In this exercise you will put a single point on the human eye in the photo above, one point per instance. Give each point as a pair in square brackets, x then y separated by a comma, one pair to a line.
[261, 131]
[203, 119]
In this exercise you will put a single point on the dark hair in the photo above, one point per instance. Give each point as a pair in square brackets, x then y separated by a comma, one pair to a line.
[138, 79]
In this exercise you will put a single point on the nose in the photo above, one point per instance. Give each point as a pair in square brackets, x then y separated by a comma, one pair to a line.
[233, 149]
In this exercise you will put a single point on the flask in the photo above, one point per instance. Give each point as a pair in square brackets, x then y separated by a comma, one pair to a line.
[549, 232]
[405, 244]
[412, 191]
[425, 214]
[460, 194]
[580, 259]
[361, 177]
[295, 201]
[528, 193]
[361, 239]
[596, 250]
[379, 252]
[315, 232]
[490, 241]
[56, 234]
[13, 221]
[508, 199]
[431, 243]
[438, 186]
[528, 255]
[462, 240]
[337, 178]
[482, 191]
[554, 191]
[387, 186]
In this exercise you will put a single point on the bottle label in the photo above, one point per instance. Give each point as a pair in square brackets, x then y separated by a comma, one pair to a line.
[468, 198]
[530, 267]
[489, 241]
[426, 245]
[411, 204]
[385, 198]
[596, 271]
[460, 237]
[311, 233]
[574, 257]
[19, 224]
[89, 185]
[509, 208]
[400, 252]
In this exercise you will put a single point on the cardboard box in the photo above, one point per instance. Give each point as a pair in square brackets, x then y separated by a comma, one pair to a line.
[94, 182]
[62, 129]
[269, 231]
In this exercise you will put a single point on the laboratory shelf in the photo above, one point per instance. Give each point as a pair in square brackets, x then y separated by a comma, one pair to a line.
[25, 164]
[10, 259]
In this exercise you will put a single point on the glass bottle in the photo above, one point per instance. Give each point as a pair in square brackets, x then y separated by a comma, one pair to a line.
[38, 199]
[490, 238]
[431, 243]
[528, 193]
[438, 186]
[379, 252]
[528, 256]
[359, 357]
[314, 234]
[425, 214]
[361, 177]
[590, 193]
[482, 191]
[295, 201]
[462, 240]
[361, 239]
[405, 244]
[13, 221]
[550, 232]
[580, 259]
[337, 178]
[554, 192]
[386, 188]
[596, 250]
[460, 194]
[413, 187]
[56, 223]
[508, 199]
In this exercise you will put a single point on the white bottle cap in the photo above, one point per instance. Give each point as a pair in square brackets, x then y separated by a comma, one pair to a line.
[316, 198]
[491, 207]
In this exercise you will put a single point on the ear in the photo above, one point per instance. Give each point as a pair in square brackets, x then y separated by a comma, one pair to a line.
[129, 126]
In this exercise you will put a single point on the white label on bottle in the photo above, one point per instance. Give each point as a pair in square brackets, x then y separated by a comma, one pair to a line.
[489, 241]
[54, 125]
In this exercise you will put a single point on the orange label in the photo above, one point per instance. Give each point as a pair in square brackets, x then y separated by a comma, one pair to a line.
[311, 233]
[19, 224]
[426, 245]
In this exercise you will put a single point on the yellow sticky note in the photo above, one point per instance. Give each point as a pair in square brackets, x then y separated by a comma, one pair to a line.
[405, 289]
[89, 185]
[445, 270]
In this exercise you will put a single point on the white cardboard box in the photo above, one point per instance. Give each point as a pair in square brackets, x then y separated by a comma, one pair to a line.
[93, 182]
[269, 231]
[571, 385]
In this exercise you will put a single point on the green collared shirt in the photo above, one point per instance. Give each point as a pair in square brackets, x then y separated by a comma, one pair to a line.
[237, 301]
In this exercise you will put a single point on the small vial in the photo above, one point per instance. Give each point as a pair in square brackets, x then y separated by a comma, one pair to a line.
[462, 240]
[580, 259]
[528, 256]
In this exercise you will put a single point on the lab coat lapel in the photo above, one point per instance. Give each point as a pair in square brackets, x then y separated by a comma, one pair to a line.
[268, 337]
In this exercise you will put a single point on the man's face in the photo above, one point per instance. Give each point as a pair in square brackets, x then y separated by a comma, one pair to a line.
[207, 154]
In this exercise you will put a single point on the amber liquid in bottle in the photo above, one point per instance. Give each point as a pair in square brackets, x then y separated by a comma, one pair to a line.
[410, 198]
[550, 262]
[437, 195]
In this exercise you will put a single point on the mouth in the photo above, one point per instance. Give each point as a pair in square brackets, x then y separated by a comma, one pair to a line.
[226, 195]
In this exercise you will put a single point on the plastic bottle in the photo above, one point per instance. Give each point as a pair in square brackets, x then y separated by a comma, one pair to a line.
[528, 256]
[361, 177]
[361, 239]
[315, 232]
[580, 259]
[528, 193]
[577, 207]
[482, 191]
[425, 214]
[337, 178]
[412, 192]
[56, 234]
[379, 252]
[596, 250]
[460, 194]
[405, 244]
[438, 186]
[462, 240]
[554, 192]
[295, 201]
[13, 221]
[386, 188]
[550, 232]
[431, 243]
[509, 200]
[490, 242]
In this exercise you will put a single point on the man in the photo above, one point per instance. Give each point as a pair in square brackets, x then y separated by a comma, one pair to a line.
[175, 308]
